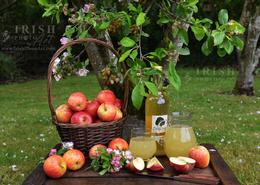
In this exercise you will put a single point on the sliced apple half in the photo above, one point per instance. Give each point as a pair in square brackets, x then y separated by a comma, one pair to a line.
[154, 165]
[182, 164]
[136, 165]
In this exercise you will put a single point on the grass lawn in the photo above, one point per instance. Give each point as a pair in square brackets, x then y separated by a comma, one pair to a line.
[231, 123]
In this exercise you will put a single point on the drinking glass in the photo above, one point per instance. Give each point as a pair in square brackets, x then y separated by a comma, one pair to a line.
[142, 144]
[179, 137]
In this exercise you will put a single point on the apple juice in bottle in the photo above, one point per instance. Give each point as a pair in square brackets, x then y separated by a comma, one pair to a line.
[156, 117]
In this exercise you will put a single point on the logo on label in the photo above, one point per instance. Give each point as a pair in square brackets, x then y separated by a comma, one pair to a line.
[159, 123]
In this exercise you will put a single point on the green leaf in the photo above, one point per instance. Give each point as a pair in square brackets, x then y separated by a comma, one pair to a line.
[228, 46]
[173, 76]
[69, 31]
[163, 20]
[127, 42]
[221, 52]
[238, 42]
[134, 54]
[218, 37]
[183, 51]
[140, 20]
[103, 26]
[44, 3]
[137, 98]
[223, 16]
[152, 87]
[183, 35]
[132, 8]
[125, 55]
[198, 32]
[83, 34]
[207, 47]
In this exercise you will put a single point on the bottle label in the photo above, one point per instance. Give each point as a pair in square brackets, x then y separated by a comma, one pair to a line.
[159, 123]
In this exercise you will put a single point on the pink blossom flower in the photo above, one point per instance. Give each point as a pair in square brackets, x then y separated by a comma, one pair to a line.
[109, 150]
[82, 72]
[64, 40]
[86, 8]
[53, 152]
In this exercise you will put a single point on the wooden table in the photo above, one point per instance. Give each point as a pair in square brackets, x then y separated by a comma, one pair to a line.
[217, 169]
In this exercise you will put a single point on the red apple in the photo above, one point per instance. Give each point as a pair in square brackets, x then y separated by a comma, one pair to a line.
[106, 112]
[92, 107]
[118, 144]
[93, 152]
[55, 166]
[81, 118]
[136, 165]
[106, 96]
[201, 155]
[118, 115]
[119, 103]
[63, 113]
[182, 164]
[154, 165]
[77, 101]
[74, 159]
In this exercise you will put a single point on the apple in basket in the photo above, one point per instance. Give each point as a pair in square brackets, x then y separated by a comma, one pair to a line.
[119, 103]
[81, 118]
[74, 159]
[118, 115]
[106, 96]
[106, 112]
[77, 101]
[92, 107]
[63, 113]
[54, 166]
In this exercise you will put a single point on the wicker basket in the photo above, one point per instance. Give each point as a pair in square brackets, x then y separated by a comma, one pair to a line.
[86, 136]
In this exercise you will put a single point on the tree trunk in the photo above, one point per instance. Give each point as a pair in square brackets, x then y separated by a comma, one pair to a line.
[249, 58]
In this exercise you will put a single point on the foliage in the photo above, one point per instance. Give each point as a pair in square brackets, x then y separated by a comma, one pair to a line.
[8, 68]
[145, 68]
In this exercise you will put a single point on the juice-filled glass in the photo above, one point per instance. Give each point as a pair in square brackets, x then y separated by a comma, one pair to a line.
[142, 144]
[178, 138]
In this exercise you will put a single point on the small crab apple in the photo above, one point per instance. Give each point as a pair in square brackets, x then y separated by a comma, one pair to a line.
[93, 152]
[55, 166]
[74, 159]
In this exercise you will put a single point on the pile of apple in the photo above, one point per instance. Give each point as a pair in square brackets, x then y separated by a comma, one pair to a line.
[55, 166]
[198, 157]
[78, 110]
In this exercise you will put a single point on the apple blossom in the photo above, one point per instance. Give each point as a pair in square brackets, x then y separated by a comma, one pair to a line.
[64, 40]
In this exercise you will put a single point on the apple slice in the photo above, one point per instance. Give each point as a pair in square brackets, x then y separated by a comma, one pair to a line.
[136, 165]
[154, 165]
[182, 164]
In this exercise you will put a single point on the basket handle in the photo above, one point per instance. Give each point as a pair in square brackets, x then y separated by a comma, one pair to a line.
[60, 51]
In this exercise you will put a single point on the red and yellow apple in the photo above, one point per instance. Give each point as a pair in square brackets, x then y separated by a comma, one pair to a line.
[55, 166]
[63, 113]
[77, 101]
[154, 165]
[119, 103]
[118, 144]
[182, 164]
[74, 159]
[201, 155]
[92, 107]
[81, 118]
[118, 115]
[106, 112]
[106, 96]
[93, 152]
[136, 165]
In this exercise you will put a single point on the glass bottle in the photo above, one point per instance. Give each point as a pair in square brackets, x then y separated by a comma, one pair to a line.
[156, 118]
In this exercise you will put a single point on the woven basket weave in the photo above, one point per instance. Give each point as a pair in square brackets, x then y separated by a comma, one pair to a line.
[84, 137]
